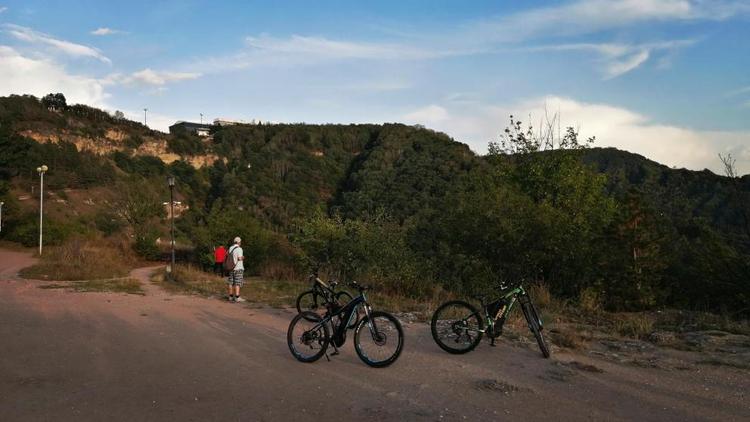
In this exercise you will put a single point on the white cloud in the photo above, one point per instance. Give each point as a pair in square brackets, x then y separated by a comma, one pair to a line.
[71, 49]
[430, 115]
[3, 9]
[25, 75]
[613, 126]
[105, 31]
[151, 77]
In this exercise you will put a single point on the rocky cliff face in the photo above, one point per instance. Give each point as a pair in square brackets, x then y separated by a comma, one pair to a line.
[114, 140]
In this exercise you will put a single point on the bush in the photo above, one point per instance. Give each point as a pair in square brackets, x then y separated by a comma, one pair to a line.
[145, 245]
[108, 223]
[26, 230]
[373, 250]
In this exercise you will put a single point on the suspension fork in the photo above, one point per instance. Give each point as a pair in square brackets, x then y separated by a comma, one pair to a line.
[368, 314]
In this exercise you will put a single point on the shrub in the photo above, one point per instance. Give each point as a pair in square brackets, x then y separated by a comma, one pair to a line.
[145, 244]
[108, 223]
[26, 230]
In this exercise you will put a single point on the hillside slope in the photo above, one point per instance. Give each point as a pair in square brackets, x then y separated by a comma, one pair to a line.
[644, 231]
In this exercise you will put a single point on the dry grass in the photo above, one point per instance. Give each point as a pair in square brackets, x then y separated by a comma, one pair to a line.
[122, 285]
[682, 321]
[81, 259]
[191, 280]
[568, 337]
[422, 308]
[634, 325]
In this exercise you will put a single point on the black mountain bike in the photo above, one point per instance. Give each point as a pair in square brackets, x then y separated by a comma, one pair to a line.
[321, 296]
[378, 337]
[458, 326]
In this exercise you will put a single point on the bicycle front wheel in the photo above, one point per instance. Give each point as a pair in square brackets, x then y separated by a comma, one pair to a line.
[379, 339]
[307, 338]
[456, 327]
[535, 325]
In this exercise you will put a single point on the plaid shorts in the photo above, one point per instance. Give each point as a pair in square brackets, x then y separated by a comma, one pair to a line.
[235, 278]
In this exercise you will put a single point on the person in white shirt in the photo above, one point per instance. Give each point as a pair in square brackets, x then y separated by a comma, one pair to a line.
[235, 278]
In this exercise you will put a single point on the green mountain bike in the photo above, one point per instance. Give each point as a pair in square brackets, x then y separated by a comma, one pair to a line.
[458, 326]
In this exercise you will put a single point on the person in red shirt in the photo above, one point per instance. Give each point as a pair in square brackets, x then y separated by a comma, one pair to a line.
[219, 255]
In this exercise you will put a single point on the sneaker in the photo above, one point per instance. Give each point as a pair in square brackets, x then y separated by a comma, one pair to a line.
[239, 299]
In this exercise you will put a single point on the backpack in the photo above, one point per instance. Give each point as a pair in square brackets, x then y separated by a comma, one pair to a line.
[229, 262]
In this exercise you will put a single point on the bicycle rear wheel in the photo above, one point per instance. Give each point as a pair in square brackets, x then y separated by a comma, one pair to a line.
[307, 338]
[456, 327]
[310, 301]
[379, 343]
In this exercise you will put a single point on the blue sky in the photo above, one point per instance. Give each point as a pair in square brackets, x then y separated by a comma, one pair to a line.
[669, 79]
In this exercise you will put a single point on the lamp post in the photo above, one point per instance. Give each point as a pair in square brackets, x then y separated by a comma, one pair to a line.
[1, 216]
[170, 181]
[41, 170]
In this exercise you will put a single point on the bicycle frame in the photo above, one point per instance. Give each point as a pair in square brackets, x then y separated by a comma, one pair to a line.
[346, 313]
[516, 294]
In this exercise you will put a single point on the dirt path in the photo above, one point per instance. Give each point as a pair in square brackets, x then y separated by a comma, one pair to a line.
[95, 356]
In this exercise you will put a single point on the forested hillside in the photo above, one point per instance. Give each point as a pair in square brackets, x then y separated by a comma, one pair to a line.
[405, 207]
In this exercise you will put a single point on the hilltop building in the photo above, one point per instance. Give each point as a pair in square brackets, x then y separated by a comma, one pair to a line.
[204, 129]
[200, 129]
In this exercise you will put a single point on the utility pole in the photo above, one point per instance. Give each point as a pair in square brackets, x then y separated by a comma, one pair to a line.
[1, 216]
[41, 170]
[201, 118]
[144, 116]
[170, 181]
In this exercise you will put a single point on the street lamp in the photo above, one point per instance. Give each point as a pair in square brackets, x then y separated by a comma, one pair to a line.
[41, 170]
[1, 216]
[170, 182]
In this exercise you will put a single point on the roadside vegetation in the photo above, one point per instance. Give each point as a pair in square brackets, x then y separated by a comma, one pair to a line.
[83, 259]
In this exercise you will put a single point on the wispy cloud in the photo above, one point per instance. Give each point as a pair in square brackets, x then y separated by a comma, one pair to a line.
[617, 59]
[589, 16]
[66, 47]
[491, 35]
[335, 49]
[3, 9]
[298, 50]
[738, 91]
[150, 77]
[106, 31]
